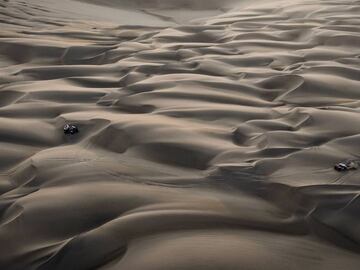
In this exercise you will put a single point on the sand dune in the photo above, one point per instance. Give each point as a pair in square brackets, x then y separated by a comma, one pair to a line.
[201, 145]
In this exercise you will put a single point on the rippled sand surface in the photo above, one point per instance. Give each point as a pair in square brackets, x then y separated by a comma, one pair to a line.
[204, 145]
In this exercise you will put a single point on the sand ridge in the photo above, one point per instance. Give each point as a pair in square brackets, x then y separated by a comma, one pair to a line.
[201, 146]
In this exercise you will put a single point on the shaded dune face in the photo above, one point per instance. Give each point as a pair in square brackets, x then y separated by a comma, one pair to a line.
[204, 146]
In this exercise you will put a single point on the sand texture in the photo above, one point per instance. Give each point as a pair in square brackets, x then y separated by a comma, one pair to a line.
[203, 145]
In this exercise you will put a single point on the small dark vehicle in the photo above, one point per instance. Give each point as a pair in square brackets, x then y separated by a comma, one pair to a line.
[70, 129]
